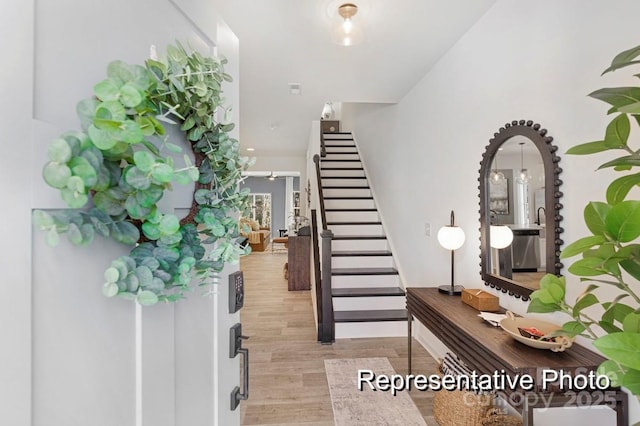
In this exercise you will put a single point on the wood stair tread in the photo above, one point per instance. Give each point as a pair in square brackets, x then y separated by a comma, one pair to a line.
[367, 292]
[364, 271]
[354, 253]
[344, 177]
[350, 210]
[342, 160]
[341, 168]
[359, 237]
[338, 145]
[348, 198]
[371, 315]
[355, 223]
[344, 187]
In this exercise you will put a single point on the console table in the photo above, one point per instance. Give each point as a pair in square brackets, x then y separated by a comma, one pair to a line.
[486, 349]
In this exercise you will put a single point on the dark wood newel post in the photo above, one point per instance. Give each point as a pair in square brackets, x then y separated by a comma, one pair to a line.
[328, 325]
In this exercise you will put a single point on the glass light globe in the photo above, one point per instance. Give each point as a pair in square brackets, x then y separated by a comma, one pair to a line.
[451, 237]
[500, 236]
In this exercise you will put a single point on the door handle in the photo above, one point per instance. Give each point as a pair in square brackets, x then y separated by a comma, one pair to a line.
[236, 395]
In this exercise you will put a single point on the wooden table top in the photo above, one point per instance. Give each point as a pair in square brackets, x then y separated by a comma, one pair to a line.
[485, 347]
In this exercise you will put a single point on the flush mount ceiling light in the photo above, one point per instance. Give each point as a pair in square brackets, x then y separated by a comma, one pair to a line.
[347, 32]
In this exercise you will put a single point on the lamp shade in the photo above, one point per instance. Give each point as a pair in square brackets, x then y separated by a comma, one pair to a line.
[451, 237]
[500, 236]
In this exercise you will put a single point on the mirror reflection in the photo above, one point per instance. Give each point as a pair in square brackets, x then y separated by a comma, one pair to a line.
[520, 209]
[516, 211]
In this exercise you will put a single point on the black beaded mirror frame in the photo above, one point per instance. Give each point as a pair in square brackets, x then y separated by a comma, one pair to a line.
[552, 198]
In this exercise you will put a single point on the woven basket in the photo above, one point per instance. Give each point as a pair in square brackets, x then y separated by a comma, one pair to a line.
[495, 417]
[461, 408]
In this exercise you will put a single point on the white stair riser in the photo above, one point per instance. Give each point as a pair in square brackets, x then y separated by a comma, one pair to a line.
[342, 173]
[362, 262]
[345, 245]
[346, 330]
[330, 157]
[327, 163]
[349, 204]
[343, 149]
[345, 182]
[353, 216]
[356, 229]
[364, 281]
[346, 192]
[368, 303]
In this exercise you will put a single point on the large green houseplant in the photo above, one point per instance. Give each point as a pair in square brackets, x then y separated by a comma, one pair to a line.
[608, 310]
[114, 171]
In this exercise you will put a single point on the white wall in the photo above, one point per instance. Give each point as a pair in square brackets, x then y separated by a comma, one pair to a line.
[68, 354]
[518, 62]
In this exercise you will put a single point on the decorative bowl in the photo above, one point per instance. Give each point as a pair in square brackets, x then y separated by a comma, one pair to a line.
[511, 324]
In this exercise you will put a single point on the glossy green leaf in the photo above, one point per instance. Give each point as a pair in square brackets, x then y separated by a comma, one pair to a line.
[617, 96]
[147, 298]
[588, 267]
[151, 230]
[612, 370]
[42, 219]
[625, 163]
[74, 199]
[111, 275]
[101, 138]
[586, 300]
[631, 381]
[623, 221]
[130, 132]
[56, 174]
[110, 289]
[170, 240]
[573, 328]
[82, 169]
[624, 59]
[616, 311]
[137, 178]
[631, 323]
[582, 245]
[621, 347]
[125, 233]
[588, 148]
[52, 237]
[162, 173]
[106, 90]
[145, 276]
[619, 188]
[609, 327]
[617, 132]
[130, 96]
[108, 204]
[144, 160]
[120, 71]
[150, 196]
[188, 123]
[86, 112]
[595, 214]
[74, 234]
[169, 225]
[59, 151]
[111, 110]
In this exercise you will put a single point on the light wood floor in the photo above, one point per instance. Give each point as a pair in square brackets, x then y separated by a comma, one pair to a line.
[288, 384]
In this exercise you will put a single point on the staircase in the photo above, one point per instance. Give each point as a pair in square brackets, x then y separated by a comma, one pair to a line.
[368, 299]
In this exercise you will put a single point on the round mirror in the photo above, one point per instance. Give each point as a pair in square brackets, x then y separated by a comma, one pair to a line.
[520, 209]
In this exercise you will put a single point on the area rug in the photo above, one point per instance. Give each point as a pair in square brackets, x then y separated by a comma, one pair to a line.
[352, 407]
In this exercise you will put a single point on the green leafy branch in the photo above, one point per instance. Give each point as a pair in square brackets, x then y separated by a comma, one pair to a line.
[610, 256]
[112, 174]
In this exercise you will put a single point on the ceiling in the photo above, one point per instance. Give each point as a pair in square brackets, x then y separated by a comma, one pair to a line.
[289, 41]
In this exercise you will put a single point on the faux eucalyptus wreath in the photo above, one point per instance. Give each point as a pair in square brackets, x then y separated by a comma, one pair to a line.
[113, 173]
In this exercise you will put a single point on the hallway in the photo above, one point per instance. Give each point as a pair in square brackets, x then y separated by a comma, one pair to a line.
[288, 384]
